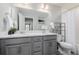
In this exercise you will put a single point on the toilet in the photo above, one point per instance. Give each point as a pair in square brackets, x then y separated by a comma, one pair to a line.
[64, 48]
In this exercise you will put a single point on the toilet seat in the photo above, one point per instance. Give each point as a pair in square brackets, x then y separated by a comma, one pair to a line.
[65, 48]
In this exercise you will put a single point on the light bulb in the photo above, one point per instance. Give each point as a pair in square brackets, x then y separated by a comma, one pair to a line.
[42, 6]
[46, 6]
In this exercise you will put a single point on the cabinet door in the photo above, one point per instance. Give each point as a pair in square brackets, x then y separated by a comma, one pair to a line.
[26, 49]
[12, 50]
[50, 47]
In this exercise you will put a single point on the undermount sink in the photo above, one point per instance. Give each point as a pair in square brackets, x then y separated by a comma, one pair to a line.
[28, 33]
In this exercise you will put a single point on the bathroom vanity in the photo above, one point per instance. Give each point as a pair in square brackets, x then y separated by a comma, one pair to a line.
[21, 44]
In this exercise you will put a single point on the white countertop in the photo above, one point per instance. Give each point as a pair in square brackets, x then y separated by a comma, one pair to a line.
[26, 35]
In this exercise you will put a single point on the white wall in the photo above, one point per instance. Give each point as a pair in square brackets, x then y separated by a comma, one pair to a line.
[3, 8]
[77, 27]
[21, 22]
[14, 15]
[69, 19]
[54, 14]
[7, 7]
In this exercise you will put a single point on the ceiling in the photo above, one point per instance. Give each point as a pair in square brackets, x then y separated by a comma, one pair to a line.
[66, 6]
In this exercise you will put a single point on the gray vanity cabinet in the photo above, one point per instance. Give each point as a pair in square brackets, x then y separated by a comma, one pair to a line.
[12, 50]
[37, 45]
[33, 45]
[16, 46]
[49, 45]
[21, 49]
[26, 49]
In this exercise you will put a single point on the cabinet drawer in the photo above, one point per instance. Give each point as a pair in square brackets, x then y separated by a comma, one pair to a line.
[37, 53]
[37, 46]
[37, 39]
[51, 37]
[17, 41]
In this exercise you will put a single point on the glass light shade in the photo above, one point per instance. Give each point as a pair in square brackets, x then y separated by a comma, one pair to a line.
[52, 25]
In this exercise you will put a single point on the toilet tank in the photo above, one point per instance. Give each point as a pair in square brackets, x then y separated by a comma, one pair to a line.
[59, 38]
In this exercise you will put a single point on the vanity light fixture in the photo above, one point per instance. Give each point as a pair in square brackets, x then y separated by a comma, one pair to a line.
[52, 25]
[44, 6]
[23, 5]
